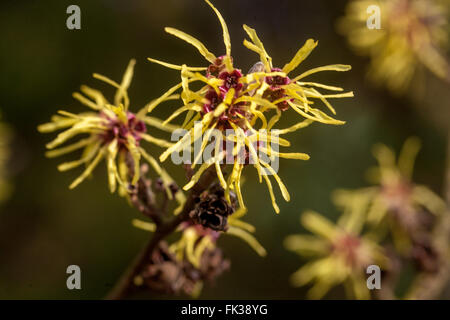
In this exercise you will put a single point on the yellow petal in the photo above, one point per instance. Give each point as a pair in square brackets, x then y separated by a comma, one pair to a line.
[69, 148]
[332, 67]
[90, 152]
[111, 165]
[157, 123]
[226, 34]
[197, 176]
[174, 66]
[193, 41]
[153, 104]
[301, 55]
[85, 101]
[156, 141]
[247, 237]
[136, 155]
[88, 170]
[283, 188]
[408, 155]
[272, 196]
[265, 58]
[148, 226]
[295, 127]
[121, 93]
[318, 224]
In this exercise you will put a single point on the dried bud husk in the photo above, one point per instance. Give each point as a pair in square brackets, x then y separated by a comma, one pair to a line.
[212, 265]
[212, 209]
[164, 273]
[425, 255]
[159, 185]
[174, 188]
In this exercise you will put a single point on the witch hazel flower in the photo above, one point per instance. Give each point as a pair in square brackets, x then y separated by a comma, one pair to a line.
[295, 92]
[250, 104]
[413, 35]
[339, 254]
[111, 132]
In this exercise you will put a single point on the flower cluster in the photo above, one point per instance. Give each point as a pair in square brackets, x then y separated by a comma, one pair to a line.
[240, 111]
[250, 104]
[341, 254]
[412, 33]
[411, 213]
[112, 133]
[405, 206]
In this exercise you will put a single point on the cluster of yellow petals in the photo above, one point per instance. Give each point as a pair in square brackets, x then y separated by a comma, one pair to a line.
[339, 254]
[255, 124]
[394, 190]
[94, 125]
[412, 33]
[364, 211]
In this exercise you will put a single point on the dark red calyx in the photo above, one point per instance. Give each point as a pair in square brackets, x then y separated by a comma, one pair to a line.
[117, 129]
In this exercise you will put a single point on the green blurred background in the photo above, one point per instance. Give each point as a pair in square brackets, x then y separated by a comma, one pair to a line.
[44, 227]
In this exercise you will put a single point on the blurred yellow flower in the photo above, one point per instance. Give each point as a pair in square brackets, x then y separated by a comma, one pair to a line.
[112, 133]
[339, 253]
[396, 196]
[412, 33]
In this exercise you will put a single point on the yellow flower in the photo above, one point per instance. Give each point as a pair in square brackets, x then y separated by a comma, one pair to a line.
[396, 196]
[194, 240]
[5, 137]
[230, 99]
[340, 254]
[296, 92]
[111, 132]
[412, 33]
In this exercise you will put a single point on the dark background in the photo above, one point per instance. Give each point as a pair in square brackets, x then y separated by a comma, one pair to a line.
[44, 227]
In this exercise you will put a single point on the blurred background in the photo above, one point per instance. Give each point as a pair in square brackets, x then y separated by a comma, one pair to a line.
[44, 227]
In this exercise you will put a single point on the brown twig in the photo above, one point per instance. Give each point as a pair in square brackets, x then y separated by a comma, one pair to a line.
[430, 286]
[125, 285]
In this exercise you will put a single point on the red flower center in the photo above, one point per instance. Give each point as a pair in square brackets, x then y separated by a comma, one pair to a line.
[348, 247]
[121, 131]
[275, 91]
[231, 80]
